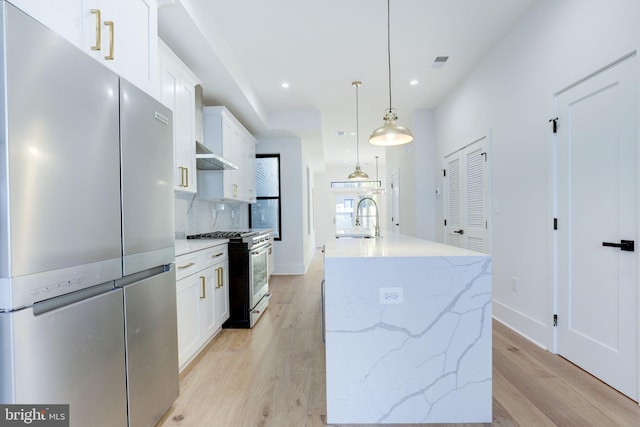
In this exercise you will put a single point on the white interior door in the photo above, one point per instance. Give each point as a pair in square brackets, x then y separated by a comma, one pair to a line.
[467, 197]
[597, 196]
[395, 202]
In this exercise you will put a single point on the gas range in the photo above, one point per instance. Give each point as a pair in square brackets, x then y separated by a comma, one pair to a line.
[251, 238]
[249, 252]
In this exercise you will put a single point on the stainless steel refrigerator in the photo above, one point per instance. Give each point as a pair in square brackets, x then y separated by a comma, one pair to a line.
[87, 288]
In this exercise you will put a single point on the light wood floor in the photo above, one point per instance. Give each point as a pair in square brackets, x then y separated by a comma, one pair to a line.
[273, 375]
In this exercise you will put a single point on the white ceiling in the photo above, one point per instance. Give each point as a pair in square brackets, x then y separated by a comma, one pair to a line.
[243, 50]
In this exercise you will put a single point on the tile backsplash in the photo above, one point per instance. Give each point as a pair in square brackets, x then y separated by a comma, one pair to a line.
[194, 216]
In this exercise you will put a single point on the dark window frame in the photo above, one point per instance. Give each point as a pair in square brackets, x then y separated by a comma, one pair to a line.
[279, 197]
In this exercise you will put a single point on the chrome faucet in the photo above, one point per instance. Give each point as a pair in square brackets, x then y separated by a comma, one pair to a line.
[377, 226]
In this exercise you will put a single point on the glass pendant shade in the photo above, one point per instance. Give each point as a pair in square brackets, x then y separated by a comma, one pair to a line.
[390, 133]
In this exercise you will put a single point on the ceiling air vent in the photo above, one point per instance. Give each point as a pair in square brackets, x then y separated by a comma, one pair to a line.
[439, 61]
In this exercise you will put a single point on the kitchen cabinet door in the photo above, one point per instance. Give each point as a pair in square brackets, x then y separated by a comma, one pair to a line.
[70, 18]
[189, 314]
[221, 295]
[226, 136]
[208, 282]
[130, 43]
[121, 34]
[250, 168]
[177, 91]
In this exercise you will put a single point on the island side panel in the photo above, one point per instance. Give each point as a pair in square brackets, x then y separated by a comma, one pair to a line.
[408, 339]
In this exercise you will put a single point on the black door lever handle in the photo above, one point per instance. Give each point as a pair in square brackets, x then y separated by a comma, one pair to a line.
[460, 232]
[625, 245]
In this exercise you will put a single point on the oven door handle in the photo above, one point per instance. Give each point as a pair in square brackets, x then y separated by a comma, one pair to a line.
[260, 306]
[260, 251]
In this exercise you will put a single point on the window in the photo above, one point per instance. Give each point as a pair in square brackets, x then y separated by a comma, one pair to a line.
[266, 212]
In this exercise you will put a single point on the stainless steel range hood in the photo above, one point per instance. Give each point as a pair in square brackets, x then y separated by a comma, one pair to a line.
[208, 160]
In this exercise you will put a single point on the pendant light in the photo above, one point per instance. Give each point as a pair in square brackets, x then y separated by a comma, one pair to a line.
[390, 133]
[357, 174]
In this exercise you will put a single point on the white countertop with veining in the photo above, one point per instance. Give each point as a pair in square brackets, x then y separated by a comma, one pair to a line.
[408, 332]
[391, 245]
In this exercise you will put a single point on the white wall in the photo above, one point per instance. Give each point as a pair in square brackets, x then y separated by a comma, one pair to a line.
[416, 163]
[510, 94]
[292, 252]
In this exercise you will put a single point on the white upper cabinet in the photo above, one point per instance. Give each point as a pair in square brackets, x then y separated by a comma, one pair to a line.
[121, 34]
[225, 135]
[177, 91]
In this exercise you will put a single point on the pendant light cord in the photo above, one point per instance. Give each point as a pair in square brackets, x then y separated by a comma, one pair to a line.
[389, 48]
[356, 84]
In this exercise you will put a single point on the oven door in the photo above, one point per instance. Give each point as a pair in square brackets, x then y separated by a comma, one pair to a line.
[258, 274]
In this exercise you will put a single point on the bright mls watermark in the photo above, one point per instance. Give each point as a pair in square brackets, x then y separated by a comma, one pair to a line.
[34, 415]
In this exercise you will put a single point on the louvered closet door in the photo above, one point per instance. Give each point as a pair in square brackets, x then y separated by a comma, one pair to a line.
[455, 202]
[467, 198]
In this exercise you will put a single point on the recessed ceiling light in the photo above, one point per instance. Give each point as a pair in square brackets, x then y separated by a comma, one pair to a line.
[413, 82]
[285, 85]
[352, 134]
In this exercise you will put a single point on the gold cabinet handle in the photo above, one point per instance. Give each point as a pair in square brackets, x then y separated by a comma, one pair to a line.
[184, 176]
[98, 44]
[203, 288]
[217, 255]
[219, 270]
[111, 34]
[182, 267]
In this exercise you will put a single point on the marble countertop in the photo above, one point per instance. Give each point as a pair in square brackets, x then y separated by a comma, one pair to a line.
[392, 245]
[184, 246]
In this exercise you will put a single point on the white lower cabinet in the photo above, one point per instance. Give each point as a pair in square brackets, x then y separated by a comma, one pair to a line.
[189, 314]
[222, 294]
[202, 298]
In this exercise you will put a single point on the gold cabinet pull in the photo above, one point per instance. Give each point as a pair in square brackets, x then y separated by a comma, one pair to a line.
[182, 267]
[217, 255]
[98, 44]
[111, 37]
[219, 270]
[203, 290]
[184, 176]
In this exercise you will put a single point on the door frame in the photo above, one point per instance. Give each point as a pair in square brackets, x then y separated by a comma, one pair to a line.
[552, 185]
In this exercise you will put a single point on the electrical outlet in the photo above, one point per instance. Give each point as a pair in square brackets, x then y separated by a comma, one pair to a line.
[391, 295]
[514, 284]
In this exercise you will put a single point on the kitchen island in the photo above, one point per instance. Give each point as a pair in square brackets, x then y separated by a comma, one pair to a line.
[407, 324]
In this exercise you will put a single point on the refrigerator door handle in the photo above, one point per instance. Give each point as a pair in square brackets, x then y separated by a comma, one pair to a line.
[141, 275]
[72, 298]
